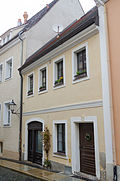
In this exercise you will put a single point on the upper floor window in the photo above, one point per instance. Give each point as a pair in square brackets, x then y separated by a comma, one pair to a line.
[30, 85]
[59, 72]
[7, 114]
[43, 79]
[1, 72]
[80, 63]
[9, 64]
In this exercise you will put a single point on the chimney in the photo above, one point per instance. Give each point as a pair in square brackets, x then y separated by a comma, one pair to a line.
[19, 23]
[25, 16]
[47, 5]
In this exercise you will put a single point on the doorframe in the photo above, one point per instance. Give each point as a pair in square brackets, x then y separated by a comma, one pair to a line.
[75, 143]
[26, 136]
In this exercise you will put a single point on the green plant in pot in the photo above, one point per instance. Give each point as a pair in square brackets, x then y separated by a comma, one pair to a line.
[46, 138]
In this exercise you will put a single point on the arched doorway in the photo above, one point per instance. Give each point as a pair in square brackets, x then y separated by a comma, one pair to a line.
[35, 143]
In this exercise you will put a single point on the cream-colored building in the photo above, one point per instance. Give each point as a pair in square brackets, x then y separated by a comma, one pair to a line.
[62, 89]
[16, 45]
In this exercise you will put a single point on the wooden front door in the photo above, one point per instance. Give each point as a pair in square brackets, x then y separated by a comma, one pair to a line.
[35, 146]
[87, 148]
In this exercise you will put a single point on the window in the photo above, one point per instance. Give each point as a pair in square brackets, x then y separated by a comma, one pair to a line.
[1, 72]
[9, 68]
[59, 72]
[80, 63]
[1, 148]
[60, 138]
[7, 114]
[8, 37]
[30, 85]
[43, 73]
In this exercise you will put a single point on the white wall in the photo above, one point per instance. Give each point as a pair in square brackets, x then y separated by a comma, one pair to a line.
[63, 12]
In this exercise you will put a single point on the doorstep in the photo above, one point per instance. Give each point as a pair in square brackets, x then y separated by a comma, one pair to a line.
[36, 172]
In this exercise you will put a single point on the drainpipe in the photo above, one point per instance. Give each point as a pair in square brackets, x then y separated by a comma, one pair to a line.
[21, 98]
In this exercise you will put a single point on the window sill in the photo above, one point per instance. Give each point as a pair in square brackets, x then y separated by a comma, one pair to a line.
[29, 93]
[80, 76]
[6, 79]
[74, 81]
[28, 96]
[42, 92]
[60, 155]
[42, 89]
[58, 87]
[7, 126]
[58, 84]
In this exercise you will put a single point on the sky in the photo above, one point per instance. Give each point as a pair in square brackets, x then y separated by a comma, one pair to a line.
[12, 10]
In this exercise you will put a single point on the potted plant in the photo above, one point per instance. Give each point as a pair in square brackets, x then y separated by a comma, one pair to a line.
[80, 74]
[46, 139]
[42, 88]
[30, 92]
[59, 81]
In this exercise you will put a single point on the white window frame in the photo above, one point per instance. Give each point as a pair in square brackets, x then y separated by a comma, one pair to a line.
[55, 72]
[6, 62]
[1, 64]
[5, 123]
[74, 62]
[28, 84]
[39, 78]
[55, 122]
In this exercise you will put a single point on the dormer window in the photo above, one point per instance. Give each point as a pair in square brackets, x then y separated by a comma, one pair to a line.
[8, 37]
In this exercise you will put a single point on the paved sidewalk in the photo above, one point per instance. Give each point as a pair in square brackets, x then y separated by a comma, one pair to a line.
[36, 172]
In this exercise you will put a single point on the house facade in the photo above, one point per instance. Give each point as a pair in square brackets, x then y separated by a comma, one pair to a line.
[10, 60]
[62, 90]
[14, 50]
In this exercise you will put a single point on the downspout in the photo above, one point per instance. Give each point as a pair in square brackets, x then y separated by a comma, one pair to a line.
[21, 98]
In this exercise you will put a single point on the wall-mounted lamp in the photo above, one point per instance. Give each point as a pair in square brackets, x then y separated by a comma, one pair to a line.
[12, 107]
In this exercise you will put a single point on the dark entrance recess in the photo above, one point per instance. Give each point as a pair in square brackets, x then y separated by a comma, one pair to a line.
[87, 149]
[35, 146]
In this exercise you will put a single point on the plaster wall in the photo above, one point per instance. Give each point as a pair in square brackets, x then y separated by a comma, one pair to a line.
[62, 13]
[113, 12]
[10, 89]
[67, 115]
[84, 91]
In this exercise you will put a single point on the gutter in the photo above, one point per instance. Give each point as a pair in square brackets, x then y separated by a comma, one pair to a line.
[21, 98]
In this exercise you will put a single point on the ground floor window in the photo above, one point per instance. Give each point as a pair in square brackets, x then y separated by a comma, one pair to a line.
[1, 147]
[60, 138]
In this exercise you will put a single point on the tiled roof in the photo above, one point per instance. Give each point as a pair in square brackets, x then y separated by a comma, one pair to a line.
[32, 21]
[84, 22]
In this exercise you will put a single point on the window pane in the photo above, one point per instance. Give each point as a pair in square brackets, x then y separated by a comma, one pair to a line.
[61, 138]
[0, 73]
[31, 82]
[39, 142]
[44, 78]
[81, 60]
[59, 69]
